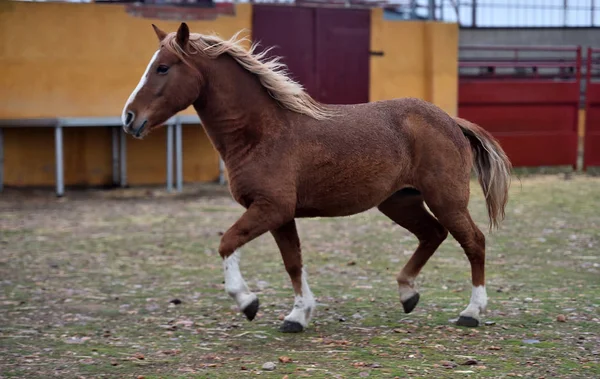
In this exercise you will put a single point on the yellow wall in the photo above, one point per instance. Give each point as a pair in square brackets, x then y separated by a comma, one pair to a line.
[64, 59]
[420, 60]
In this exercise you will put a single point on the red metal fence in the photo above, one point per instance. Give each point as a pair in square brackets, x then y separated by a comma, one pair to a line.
[527, 97]
[591, 155]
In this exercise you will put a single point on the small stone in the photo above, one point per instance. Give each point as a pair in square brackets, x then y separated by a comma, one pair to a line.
[269, 366]
[490, 323]
[114, 363]
[561, 318]
[176, 301]
[448, 364]
[375, 365]
[528, 300]
[141, 377]
[469, 362]
[352, 263]
[531, 342]
[363, 374]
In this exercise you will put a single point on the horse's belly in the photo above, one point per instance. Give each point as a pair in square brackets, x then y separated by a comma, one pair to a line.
[340, 200]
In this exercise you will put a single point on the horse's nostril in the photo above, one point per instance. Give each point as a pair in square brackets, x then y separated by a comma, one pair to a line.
[129, 119]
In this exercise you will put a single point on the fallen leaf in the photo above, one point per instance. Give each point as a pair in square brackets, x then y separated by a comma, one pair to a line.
[284, 359]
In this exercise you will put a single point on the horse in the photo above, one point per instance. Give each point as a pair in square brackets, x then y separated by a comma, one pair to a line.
[289, 156]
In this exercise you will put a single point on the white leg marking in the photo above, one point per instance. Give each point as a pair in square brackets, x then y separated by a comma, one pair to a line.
[304, 305]
[137, 89]
[477, 304]
[235, 285]
[406, 290]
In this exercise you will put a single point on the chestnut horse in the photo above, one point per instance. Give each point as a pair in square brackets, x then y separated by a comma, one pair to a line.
[289, 156]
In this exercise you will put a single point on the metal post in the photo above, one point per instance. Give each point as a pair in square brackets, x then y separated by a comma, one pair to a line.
[565, 6]
[58, 151]
[593, 10]
[178, 155]
[221, 171]
[115, 155]
[432, 10]
[1, 159]
[170, 158]
[123, 158]
[474, 14]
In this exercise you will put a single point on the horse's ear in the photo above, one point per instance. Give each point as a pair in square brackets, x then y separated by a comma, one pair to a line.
[183, 35]
[159, 33]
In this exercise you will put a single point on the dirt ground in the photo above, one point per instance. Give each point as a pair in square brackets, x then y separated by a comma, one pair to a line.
[128, 284]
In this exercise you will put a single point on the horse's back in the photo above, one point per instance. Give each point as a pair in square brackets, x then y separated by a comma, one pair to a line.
[359, 158]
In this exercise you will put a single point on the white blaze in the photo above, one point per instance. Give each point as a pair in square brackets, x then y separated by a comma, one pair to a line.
[137, 88]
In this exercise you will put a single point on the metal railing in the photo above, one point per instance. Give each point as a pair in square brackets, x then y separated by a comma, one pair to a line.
[522, 62]
[119, 147]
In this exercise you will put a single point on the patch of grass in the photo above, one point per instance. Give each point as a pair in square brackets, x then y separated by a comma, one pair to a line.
[87, 283]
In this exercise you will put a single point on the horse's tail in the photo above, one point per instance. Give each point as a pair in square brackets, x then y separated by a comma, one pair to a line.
[492, 166]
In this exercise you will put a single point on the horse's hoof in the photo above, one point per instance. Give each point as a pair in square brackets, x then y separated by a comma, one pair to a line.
[467, 321]
[291, 327]
[251, 310]
[411, 303]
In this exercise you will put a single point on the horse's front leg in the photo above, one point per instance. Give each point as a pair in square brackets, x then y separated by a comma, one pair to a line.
[304, 302]
[258, 219]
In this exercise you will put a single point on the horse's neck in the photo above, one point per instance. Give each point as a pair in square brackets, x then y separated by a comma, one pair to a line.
[236, 111]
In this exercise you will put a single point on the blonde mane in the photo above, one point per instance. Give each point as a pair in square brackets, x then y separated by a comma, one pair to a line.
[272, 73]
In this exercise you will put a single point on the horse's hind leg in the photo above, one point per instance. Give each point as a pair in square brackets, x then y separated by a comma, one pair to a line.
[454, 215]
[406, 208]
[288, 242]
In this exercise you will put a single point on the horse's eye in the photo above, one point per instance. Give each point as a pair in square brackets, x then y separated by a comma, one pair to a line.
[162, 69]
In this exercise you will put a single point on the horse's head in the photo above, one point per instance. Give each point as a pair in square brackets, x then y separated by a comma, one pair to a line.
[169, 85]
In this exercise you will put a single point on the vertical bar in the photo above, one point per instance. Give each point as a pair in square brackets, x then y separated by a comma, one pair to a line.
[178, 155]
[588, 80]
[58, 151]
[221, 171]
[431, 9]
[592, 10]
[123, 158]
[474, 14]
[115, 155]
[565, 5]
[576, 121]
[1, 159]
[169, 158]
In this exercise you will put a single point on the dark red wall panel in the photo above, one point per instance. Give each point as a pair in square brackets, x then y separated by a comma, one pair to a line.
[342, 52]
[535, 121]
[290, 32]
[325, 49]
[516, 92]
